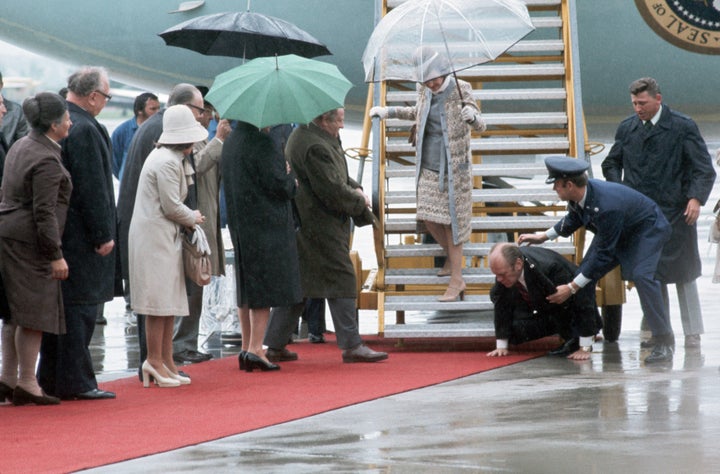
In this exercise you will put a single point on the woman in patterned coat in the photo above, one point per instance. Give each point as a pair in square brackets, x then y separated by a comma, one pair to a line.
[443, 167]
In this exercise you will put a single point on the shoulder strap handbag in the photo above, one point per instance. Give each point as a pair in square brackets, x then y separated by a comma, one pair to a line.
[196, 256]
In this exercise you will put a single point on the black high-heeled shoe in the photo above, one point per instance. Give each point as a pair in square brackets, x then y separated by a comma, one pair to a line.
[241, 359]
[254, 362]
[23, 397]
[6, 392]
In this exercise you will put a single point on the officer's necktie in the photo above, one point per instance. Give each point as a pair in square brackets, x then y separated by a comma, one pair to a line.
[648, 126]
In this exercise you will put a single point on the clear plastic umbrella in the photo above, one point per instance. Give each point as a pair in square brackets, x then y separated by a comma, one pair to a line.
[424, 38]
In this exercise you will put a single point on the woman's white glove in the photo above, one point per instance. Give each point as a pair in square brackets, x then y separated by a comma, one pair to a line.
[379, 112]
[468, 114]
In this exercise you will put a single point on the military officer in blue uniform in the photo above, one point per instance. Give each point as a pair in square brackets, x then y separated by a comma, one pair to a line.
[630, 230]
[525, 278]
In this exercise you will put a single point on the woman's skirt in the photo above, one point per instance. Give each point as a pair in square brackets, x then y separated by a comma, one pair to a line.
[433, 205]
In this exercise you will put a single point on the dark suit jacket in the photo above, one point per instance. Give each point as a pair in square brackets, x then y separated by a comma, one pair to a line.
[91, 217]
[544, 271]
[630, 230]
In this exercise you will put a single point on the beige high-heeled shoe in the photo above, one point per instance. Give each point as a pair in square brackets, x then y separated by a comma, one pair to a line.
[178, 377]
[165, 382]
[453, 293]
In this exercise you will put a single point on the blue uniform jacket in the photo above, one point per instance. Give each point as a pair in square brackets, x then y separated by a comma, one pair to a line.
[629, 229]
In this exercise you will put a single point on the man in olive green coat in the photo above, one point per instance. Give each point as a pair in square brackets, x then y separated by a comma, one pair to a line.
[327, 198]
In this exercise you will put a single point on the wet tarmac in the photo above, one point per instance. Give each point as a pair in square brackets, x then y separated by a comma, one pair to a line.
[548, 415]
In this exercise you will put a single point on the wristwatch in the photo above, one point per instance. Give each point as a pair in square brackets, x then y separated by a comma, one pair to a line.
[586, 348]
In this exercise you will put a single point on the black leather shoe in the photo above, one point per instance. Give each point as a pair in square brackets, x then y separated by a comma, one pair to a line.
[654, 341]
[280, 355]
[23, 397]
[94, 394]
[6, 392]
[570, 346]
[660, 353]
[193, 357]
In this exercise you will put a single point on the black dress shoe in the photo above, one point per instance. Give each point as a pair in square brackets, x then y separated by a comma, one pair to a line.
[94, 394]
[252, 362]
[654, 341]
[191, 356]
[6, 392]
[23, 397]
[661, 353]
[570, 346]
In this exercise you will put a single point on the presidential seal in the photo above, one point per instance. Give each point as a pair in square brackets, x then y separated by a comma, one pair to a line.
[693, 25]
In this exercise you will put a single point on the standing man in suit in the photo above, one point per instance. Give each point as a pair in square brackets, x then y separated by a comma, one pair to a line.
[525, 278]
[661, 153]
[14, 125]
[4, 147]
[630, 230]
[88, 243]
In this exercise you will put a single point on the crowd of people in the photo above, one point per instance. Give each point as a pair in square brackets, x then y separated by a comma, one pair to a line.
[69, 247]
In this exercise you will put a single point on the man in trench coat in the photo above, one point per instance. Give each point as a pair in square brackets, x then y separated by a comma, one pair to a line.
[327, 199]
[661, 153]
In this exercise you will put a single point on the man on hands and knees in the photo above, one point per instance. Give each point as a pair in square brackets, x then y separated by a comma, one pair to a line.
[526, 278]
[630, 230]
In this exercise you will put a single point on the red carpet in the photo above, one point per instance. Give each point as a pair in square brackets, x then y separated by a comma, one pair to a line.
[220, 402]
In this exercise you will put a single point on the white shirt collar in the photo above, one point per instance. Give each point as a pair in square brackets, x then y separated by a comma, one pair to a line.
[657, 115]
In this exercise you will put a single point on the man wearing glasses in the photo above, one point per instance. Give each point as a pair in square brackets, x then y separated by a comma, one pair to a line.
[66, 369]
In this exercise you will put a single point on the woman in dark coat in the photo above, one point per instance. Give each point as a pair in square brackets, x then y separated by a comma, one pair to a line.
[36, 192]
[259, 187]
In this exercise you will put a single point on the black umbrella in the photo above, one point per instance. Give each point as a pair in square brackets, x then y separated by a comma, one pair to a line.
[245, 35]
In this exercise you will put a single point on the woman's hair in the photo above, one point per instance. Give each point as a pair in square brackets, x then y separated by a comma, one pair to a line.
[43, 110]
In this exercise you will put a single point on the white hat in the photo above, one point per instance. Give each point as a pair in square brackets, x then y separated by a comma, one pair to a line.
[180, 126]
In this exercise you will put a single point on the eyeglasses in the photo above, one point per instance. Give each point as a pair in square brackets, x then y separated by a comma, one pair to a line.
[200, 110]
[107, 96]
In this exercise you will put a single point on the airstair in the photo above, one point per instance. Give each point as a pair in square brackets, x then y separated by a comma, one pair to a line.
[530, 100]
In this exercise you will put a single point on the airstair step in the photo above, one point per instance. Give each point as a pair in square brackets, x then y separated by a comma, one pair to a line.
[430, 303]
[483, 328]
[493, 144]
[539, 46]
[546, 93]
[428, 276]
[527, 118]
[520, 170]
[514, 70]
[544, 194]
[469, 250]
[529, 3]
[485, 223]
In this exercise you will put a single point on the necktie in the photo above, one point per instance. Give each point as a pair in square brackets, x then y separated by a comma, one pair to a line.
[523, 292]
[648, 126]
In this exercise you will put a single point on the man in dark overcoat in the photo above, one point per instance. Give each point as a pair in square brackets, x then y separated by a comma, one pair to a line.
[661, 153]
[630, 231]
[327, 199]
[65, 368]
[525, 277]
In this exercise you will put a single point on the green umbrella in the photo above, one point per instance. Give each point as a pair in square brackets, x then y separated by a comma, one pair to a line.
[281, 89]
